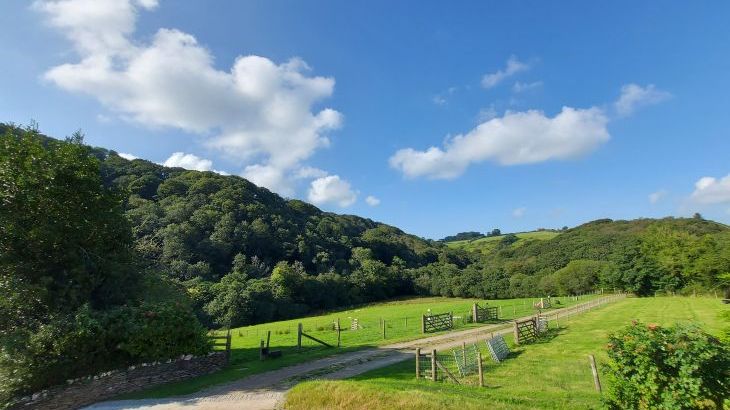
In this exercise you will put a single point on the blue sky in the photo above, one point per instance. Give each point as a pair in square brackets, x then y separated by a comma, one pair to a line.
[435, 117]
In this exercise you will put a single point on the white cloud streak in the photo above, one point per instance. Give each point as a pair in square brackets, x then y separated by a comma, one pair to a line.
[657, 196]
[519, 87]
[513, 67]
[519, 212]
[372, 201]
[634, 96]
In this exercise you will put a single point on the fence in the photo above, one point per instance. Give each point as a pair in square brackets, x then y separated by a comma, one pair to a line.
[458, 365]
[367, 329]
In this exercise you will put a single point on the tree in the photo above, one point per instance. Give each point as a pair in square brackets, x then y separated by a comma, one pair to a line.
[495, 232]
[65, 240]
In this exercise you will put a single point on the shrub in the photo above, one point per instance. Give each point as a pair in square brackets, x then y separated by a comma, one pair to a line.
[91, 341]
[678, 367]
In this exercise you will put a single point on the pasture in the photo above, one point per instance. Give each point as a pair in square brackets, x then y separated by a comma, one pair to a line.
[487, 244]
[551, 374]
[402, 320]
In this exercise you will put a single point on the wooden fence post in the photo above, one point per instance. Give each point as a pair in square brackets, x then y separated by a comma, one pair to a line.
[418, 363]
[339, 330]
[463, 352]
[481, 373]
[594, 370]
[423, 323]
[474, 315]
[383, 328]
[433, 365]
[299, 337]
[517, 334]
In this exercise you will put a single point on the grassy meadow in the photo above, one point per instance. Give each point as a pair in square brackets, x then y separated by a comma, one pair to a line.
[402, 320]
[551, 374]
[490, 242]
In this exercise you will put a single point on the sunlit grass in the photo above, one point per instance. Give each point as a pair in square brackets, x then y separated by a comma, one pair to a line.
[402, 320]
[554, 374]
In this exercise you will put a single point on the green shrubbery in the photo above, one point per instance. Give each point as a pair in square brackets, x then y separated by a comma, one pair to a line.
[75, 301]
[92, 341]
[653, 367]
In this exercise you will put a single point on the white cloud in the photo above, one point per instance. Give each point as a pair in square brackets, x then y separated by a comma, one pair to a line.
[126, 156]
[372, 201]
[309, 172]
[513, 67]
[515, 138]
[259, 113]
[519, 87]
[634, 96]
[486, 114]
[657, 196]
[519, 212]
[710, 190]
[332, 189]
[190, 162]
[438, 100]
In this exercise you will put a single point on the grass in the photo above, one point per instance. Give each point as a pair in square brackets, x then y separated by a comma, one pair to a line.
[554, 374]
[487, 244]
[402, 320]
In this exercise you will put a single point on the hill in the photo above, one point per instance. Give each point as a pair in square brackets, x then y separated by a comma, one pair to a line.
[246, 255]
[488, 243]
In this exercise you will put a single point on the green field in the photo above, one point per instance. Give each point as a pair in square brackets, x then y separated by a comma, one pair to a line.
[553, 374]
[402, 320]
[490, 242]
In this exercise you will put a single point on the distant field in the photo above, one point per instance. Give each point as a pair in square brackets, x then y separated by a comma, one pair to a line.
[402, 321]
[551, 375]
[488, 243]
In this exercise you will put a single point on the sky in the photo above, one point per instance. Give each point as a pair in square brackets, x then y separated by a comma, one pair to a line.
[436, 117]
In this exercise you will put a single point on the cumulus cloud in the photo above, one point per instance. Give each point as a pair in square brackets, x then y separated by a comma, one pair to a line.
[634, 96]
[519, 212]
[513, 67]
[710, 190]
[126, 156]
[190, 162]
[332, 190]
[372, 201]
[515, 138]
[258, 112]
[657, 196]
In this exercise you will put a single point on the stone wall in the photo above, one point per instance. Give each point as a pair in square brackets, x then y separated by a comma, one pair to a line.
[82, 392]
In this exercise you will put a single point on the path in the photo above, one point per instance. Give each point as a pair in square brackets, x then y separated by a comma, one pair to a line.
[266, 390]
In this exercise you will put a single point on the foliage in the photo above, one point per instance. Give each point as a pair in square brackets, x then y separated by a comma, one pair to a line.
[73, 295]
[678, 367]
[463, 236]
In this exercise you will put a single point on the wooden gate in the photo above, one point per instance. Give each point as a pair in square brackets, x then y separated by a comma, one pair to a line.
[436, 323]
[222, 341]
[525, 330]
[484, 314]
